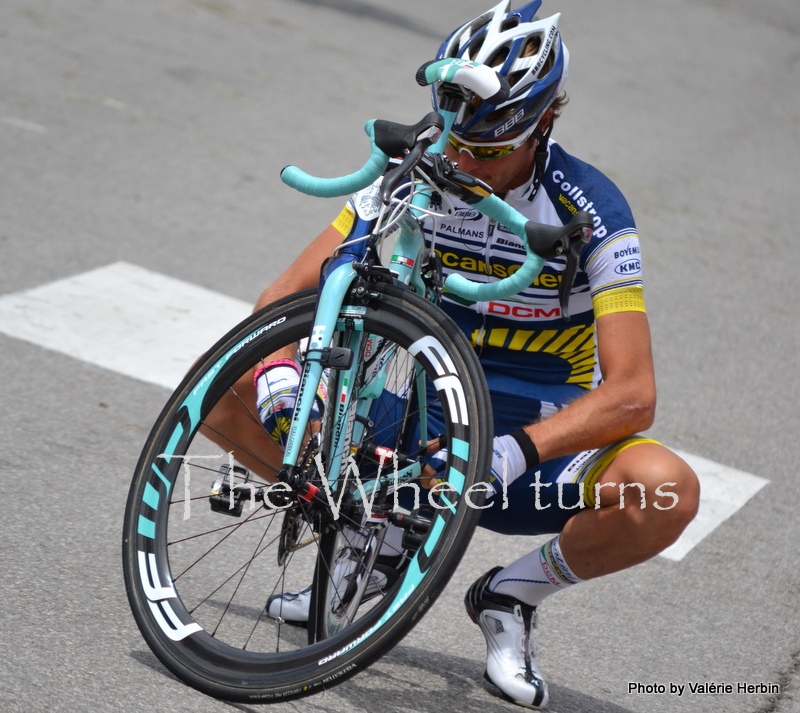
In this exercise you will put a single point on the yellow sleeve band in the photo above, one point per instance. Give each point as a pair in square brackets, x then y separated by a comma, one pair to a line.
[344, 222]
[623, 299]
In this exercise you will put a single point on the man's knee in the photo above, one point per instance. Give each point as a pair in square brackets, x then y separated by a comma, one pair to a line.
[659, 487]
[675, 487]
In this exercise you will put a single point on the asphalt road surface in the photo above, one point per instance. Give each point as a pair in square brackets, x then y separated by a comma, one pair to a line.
[153, 132]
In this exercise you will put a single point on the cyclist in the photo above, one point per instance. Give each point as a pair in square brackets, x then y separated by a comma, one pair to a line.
[569, 396]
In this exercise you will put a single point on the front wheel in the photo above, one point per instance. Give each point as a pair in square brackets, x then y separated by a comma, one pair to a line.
[203, 561]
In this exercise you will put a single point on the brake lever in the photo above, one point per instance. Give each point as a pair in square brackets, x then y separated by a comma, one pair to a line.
[575, 243]
[395, 175]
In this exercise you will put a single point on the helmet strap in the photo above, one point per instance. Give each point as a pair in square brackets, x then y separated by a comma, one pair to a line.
[540, 157]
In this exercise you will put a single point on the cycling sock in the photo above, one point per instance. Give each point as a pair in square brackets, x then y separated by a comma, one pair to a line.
[536, 575]
[392, 541]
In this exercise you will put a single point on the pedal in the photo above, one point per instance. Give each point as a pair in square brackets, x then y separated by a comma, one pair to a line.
[220, 499]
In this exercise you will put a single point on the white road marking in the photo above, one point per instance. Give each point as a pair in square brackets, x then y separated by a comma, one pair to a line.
[123, 318]
[152, 327]
[723, 491]
[23, 124]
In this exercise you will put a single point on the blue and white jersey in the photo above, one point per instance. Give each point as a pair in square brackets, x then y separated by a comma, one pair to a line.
[526, 347]
[528, 351]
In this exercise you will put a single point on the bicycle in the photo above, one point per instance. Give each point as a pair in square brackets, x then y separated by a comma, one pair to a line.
[399, 375]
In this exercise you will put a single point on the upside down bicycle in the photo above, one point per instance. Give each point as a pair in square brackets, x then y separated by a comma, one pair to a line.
[207, 544]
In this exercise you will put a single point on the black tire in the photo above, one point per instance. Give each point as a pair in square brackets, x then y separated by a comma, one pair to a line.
[198, 587]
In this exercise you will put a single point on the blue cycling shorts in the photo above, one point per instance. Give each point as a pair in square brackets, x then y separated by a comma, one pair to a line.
[543, 499]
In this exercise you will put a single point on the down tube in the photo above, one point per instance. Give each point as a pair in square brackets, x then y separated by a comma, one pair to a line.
[329, 305]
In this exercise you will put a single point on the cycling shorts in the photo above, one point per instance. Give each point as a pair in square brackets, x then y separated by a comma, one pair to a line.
[542, 500]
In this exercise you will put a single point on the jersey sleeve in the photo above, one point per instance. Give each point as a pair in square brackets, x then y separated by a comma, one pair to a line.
[614, 268]
[344, 221]
[612, 260]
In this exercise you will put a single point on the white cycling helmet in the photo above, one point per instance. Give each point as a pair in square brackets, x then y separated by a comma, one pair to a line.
[527, 51]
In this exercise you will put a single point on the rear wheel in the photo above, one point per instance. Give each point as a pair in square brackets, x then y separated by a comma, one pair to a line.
[202, 560]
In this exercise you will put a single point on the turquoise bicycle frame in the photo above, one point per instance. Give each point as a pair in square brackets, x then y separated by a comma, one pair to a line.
[337, 278]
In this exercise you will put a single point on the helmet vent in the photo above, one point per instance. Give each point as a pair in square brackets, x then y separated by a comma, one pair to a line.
[548, 64]
[531, 46]
[504, 113]
[509, 24]
[475, 47]
[473, 37]
[498, 57]
[515, 77]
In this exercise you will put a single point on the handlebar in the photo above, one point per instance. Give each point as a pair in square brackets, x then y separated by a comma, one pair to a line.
[387, 139]
[541, 242]
[499, 211]
[481, 79]
[370, 172]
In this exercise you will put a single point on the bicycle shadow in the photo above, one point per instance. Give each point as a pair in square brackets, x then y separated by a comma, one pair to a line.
[410, 678]
[414, 679]
[148, 658]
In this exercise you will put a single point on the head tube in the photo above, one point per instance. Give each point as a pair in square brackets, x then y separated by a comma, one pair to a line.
[449, 120]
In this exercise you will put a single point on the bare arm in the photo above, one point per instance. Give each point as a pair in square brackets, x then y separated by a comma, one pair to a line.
[301, 274]
[304, 271]
[622, 405]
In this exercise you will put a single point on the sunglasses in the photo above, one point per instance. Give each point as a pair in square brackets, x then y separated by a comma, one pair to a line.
[490, 151]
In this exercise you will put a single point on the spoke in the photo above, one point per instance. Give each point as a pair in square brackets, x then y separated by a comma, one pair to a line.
[238, 446]
[235, 572]
[255, 479]
[244, 571]
[234, 527]
[282, 582]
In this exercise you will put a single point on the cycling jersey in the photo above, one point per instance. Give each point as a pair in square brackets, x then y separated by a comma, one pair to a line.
[525, 345]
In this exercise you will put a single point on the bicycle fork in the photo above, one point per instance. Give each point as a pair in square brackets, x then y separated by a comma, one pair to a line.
[320, 355]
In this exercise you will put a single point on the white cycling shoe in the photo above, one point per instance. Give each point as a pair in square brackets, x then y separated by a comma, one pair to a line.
[293, 607]
[508, 625]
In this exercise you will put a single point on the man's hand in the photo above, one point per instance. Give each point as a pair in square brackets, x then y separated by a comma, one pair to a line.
[276, 385]
[508, 463]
